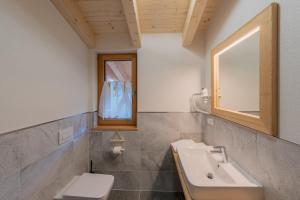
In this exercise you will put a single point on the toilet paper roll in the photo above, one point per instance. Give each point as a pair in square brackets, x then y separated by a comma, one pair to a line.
[117, 150]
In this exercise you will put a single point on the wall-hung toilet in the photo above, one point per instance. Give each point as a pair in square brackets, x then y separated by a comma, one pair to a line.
[87, 187]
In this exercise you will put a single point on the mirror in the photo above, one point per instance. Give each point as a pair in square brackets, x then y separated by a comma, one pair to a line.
[239, 76]
[244, 74]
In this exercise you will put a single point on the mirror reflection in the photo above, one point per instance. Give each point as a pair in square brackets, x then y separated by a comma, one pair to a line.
[238, 67]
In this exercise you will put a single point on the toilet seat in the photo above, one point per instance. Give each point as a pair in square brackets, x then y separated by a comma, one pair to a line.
[87, 187]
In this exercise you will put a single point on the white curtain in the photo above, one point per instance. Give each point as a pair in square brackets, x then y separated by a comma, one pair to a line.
[116, 100]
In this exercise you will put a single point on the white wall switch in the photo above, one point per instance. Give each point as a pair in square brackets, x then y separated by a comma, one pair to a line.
[210, 121]
[65, 135]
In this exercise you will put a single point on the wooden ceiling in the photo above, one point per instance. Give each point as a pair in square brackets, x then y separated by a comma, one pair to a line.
[162, 16]
[104, 16]
[90, 18]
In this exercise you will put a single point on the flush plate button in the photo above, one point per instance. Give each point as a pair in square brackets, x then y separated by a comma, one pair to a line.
[65, 135]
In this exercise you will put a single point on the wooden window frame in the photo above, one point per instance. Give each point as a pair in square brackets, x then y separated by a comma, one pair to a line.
[106, 124]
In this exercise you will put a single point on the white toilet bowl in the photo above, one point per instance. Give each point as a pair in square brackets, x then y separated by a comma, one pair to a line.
[87, 187]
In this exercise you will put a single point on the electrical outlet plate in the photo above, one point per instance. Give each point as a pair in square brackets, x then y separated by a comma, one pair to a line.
[65, 135]
[210, 121]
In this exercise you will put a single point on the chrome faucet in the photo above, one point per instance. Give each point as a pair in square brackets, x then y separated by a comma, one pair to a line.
[222, 150]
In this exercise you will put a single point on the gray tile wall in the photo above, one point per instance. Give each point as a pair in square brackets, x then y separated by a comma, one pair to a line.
[32, 164]
[34, 167]
[146, 169]
[272, 161]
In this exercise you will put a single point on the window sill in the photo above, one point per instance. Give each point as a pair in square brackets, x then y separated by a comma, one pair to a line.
[114, 128]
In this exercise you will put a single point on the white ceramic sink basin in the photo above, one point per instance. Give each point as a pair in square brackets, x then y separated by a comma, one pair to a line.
[208, 178]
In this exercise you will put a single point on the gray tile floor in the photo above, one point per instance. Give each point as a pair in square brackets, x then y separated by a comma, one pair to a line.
[145, 195]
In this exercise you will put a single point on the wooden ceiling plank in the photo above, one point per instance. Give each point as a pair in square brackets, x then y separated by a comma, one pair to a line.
[71, 12]
[104, 16]
[164, 4]
[199, 15]
[131, 14]
[162, 25]
[208, 14]
[162, 16]
[99, 5]
[109, 27]
[193, 19]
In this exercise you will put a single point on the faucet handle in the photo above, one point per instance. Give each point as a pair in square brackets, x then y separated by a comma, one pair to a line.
[219, 147]
[216, 149]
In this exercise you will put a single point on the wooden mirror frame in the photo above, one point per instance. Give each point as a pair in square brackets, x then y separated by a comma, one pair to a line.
[267, 21]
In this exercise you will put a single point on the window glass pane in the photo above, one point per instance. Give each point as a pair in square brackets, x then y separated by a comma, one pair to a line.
[118, 70]
[116, 97]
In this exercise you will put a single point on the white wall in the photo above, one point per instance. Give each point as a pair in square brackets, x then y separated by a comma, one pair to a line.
[168, 73]
[232, 15]
[43, 65]
[114, 43]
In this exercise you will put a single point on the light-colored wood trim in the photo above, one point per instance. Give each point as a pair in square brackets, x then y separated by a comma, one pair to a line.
[199, 15]
[193, 19]
[131, 14]
[101, 61]
[71, 12]
[267, 121]
[114, 128]
[181, 176]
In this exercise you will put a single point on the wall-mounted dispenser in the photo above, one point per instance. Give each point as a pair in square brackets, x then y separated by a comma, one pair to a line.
[200, 102]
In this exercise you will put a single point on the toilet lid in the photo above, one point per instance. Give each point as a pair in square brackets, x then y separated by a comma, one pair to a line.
[91, 186]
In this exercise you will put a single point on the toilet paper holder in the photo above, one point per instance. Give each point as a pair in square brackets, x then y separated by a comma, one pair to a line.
[117, 141]
[117, 138]
[117, 150]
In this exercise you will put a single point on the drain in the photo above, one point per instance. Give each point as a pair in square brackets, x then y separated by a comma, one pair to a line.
[210, 175]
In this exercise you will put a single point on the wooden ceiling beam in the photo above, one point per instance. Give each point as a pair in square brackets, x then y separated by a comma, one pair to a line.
[131, 14]
[194, 16]
[71, 12]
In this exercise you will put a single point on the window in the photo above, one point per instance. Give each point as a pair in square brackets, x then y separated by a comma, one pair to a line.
[117, 86]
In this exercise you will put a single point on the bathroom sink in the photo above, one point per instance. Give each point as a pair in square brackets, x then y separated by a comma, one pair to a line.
[208, 178]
